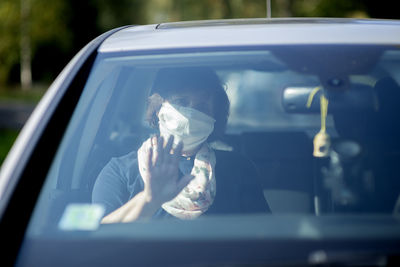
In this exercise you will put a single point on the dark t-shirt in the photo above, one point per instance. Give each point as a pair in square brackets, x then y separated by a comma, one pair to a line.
[237, 185]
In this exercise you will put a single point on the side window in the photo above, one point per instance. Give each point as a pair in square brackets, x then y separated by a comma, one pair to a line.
[108, 122]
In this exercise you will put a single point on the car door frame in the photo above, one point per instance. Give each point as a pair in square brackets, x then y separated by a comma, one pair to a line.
[25, 168]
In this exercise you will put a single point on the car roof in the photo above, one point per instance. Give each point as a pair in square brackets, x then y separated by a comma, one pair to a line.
[253, 32]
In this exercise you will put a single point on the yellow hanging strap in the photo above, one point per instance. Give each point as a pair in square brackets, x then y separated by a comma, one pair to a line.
[324, 111]
[321, 139]
[311, 96]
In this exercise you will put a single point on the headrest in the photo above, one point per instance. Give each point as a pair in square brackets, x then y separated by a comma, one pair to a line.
[388, 94]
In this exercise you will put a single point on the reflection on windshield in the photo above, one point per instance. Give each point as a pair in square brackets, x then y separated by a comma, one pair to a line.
[266, 145]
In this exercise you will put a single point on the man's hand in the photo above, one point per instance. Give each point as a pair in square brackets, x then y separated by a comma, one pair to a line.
[162, 181]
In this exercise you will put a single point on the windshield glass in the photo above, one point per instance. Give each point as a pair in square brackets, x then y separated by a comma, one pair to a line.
[306, 131]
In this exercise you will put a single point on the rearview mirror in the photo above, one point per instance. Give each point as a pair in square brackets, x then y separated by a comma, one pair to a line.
[356, 97]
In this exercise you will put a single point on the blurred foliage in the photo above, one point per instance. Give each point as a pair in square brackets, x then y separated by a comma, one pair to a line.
[317, 8]
[117, 13]
[9, 30]
[59, 28]
[46, 26]
[14, 94]
[7, 138]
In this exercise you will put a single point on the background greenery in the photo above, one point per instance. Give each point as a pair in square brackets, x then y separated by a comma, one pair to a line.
[7, 138]
[55, 30]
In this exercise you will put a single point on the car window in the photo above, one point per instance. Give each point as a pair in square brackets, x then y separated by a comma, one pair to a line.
[274, 118]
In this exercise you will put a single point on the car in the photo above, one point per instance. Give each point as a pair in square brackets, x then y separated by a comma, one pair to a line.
[314, 106]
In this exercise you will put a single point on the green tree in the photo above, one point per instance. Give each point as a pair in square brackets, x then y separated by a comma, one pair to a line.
[46, 25]
[57, 29]
[327, 8]
[116, 13]
[9, 38]
[181, 10]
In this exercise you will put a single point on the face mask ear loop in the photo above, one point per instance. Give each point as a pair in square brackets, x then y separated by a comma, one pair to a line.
[321, 139]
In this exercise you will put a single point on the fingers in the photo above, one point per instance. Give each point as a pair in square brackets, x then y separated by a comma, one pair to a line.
[178, 149]
[169, 144]
[148, 159]
[157, 144]
[159, 148]
[172, 154]
[154, 150]
[164, 155]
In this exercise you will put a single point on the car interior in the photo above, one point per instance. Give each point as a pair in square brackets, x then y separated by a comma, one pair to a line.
[270, 124]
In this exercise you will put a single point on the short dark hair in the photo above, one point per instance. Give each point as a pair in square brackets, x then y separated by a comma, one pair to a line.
[200, 80]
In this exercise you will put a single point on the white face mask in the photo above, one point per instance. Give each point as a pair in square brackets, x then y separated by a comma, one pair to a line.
[188, 125]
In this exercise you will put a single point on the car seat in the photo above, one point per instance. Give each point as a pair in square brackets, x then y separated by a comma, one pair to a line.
[383, 132]
[284, 163]
[373, 174]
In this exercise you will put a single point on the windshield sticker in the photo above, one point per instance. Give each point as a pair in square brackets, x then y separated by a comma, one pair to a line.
[81, 217]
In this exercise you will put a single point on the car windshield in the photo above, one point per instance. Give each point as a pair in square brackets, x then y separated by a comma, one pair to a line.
[315, 128]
